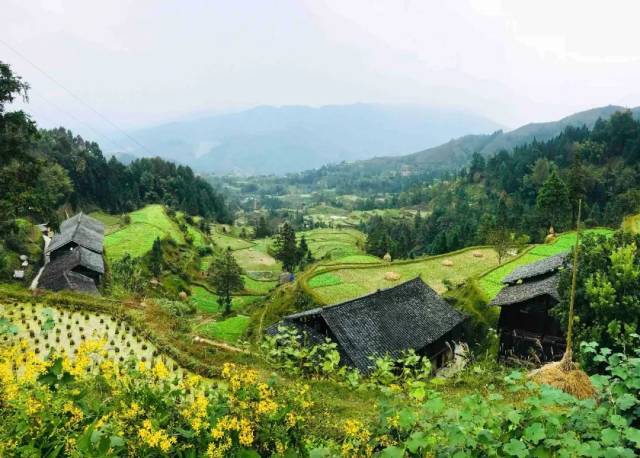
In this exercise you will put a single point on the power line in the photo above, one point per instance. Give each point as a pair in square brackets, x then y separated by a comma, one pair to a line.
[68, 91]
[74, 117]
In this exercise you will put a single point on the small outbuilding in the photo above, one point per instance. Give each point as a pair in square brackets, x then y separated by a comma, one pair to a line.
[410, 315]
[79, 230]
[527, 329]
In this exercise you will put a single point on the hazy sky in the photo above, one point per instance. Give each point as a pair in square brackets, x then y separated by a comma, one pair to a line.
[138, 62]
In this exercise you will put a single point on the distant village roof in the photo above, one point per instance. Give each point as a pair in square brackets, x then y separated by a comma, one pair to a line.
[531, 289]
[536, 269]
[389, 321]
[83, 230]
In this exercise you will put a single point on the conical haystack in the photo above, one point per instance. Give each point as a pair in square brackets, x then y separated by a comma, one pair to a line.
[565, 374]
[571, 380]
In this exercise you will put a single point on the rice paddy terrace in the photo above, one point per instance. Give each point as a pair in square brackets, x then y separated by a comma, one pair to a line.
[347, 278]
[332, 283]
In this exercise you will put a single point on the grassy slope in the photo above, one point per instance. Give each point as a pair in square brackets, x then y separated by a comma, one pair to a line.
[334, 243]
[136, 238]
[207, 302]
[359, 280]
[229, 330]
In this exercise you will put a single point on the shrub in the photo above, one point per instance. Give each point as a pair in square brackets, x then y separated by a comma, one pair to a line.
[288, 350]
[56, 407]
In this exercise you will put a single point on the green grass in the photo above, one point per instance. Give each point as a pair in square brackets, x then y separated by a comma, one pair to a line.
[327, 279]
[491, 284]
[136, 238]
[224, 241]
[356, 259]
[207, 302]
[111, 222]
[251, 259]
[333, 243]
[356, 281]
[258, 287]
[229, 330]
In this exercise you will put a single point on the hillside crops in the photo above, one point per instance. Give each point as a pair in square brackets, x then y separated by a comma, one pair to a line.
[136, 238]
[52, 329]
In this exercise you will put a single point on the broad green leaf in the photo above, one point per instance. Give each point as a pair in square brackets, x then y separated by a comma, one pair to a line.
[392, 452]
[633, 435]
[516, 448]
[534, 433]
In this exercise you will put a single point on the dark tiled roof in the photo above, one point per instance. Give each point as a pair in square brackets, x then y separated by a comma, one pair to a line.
[58, 273]
[83, 230]
[531, 289]
[389, 321]
[68, 280]
[542, 267]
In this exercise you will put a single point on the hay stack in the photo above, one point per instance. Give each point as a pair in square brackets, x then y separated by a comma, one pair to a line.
[447, 263]
[478, 254]
[183, 296]
[392, 276]
[551, 236]
[386, 257]
[570, 379]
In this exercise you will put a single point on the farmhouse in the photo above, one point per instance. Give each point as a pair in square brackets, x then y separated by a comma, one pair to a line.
[408, 316]
[79, 230]
[75, 255]
[525, 325]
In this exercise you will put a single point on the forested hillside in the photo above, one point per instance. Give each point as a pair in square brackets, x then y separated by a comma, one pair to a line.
[523, 192]
[40, 170]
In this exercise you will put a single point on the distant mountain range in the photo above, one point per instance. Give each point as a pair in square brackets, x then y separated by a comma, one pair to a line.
[456, 153]
[372, 138]
[278, 140]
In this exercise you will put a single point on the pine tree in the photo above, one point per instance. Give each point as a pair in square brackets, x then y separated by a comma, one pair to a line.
[553, 202]
[156, 258]
[225, 275]
[576, 179]
[285, 247]
[262, 228]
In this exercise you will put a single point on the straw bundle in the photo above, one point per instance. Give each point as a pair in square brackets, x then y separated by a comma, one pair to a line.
[447, 263]
[392, 276]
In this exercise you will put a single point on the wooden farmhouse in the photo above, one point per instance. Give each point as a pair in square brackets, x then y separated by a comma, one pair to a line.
[75, 255]
[527, 329]
[387, 322]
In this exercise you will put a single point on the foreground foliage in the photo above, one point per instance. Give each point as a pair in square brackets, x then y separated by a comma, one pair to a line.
[76, 407]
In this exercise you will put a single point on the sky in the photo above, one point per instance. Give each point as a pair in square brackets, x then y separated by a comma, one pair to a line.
[98, 66]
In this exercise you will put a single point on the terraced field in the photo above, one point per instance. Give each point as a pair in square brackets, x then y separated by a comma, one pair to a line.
[491, 282]
[136, 238]
[229, 330]
[207, 302]
[333, 284]
[334, 243]
[224, 241]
